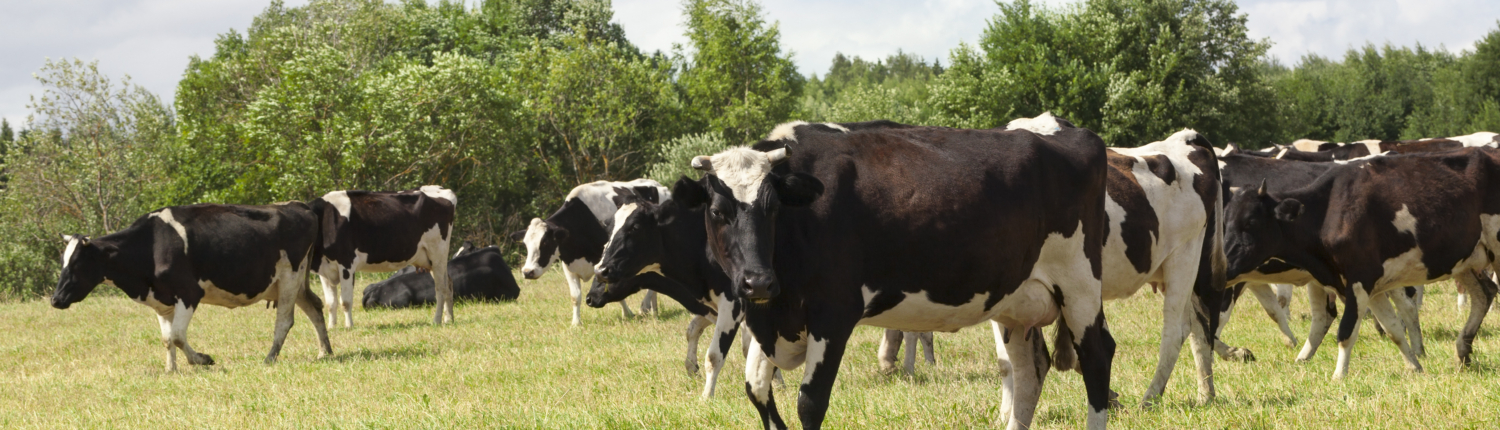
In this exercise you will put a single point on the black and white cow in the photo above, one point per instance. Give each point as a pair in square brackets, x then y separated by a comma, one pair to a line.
[661, 247]
[1370, 228]
[476, 274]
[1162, 208]
[365, 231]
[576, 235]
[912, 228]
[179, 257]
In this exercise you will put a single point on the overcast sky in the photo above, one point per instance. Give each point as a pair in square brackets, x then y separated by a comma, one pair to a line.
[151, 40]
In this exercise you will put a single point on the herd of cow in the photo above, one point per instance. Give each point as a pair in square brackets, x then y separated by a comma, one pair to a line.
[819, 228]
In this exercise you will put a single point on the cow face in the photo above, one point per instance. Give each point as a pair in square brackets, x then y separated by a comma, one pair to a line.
[82, 270]
[541, 240]
[635, 245]
[743, 197]
[1256, 228]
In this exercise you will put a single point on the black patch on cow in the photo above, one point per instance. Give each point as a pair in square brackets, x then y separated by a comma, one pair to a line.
[1140, 228]
[1162, 167]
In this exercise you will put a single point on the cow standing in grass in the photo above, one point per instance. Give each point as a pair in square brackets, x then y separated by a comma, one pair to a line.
[364, 231]
[176, 258]
[912, 228]
[576, 234]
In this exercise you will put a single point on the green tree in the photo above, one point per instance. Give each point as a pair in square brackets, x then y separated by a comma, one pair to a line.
[94, 166]
[737, 79]
[1131, 70]
[854, 89]
[673, 156]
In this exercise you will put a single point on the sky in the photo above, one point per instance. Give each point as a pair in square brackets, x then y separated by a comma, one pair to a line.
[151, 40]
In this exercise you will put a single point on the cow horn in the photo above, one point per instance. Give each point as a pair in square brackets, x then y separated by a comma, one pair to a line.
[776, 156]
[703, 163]
[1262, 190]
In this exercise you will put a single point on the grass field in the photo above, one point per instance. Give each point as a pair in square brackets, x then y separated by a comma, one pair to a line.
[519, 365]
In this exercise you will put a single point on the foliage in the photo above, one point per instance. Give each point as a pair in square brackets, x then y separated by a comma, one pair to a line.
[1132, 70]
[675, 155]
[737, 80]
[1370, 95]
[95, 167]
[895, 88]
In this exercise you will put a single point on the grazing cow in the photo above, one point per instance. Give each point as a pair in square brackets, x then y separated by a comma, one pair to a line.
[661, 246]
[1481, 139]
[1162, 208]
[364, 231]
[576, 235]
[1369, 228]
[911, 228]
[178, 257]
[476, 274]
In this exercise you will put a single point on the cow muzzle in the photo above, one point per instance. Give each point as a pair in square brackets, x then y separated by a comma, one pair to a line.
[760, 287]
[531, 273]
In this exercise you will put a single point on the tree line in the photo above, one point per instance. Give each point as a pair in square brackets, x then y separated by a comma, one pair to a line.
[511, 103]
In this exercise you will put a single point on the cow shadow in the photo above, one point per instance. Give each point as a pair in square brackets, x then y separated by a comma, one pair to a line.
[394, 326]
[395, 353]
[1449, 334]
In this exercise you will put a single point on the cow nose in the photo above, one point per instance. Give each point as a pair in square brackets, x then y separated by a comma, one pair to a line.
[759, 286]
[531, 274]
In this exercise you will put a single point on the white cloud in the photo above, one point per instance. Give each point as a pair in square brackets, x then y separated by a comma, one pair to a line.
[1330, 28]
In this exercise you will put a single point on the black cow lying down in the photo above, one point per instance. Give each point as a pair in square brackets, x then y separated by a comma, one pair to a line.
[179, 257]
[477, 274]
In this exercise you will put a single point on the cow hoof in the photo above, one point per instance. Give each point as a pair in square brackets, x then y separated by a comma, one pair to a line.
[201, 360]
[692, 367]
[1114, 400]
[1240, 354]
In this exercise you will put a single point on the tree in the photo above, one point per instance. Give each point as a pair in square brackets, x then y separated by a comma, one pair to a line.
[1132, 70]
[94, 165]
[737, 80]
[854, 89]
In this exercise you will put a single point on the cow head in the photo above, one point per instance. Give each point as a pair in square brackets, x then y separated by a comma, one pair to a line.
[82, 270]
[541, 240]
[743, 196]
[635, 245]
[1256, 228]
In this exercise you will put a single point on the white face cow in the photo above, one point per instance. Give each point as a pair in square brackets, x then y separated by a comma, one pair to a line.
[541, 240]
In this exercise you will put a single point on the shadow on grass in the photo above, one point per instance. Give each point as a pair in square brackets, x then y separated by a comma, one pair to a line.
[392, 326]
[397, 353]
[1449, 334]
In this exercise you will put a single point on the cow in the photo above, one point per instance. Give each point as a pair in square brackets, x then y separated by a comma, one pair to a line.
[911, 228]
[661, 247]
[367, 231]
[176, 258]
[476, 274]
[1162, 206]
[1366, 229]
[1483, 139]
[576, 234]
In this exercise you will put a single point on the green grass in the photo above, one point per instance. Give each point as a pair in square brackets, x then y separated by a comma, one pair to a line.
[519, 365]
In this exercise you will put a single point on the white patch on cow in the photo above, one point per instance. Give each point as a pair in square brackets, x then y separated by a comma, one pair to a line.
[816, 348]
[599, 196]
[166, 216]
[1281, 154]
[438, 192]
[533, 242]
[1405, 223]
[582, 269]
[68, 252]
[1364, 158]
[340, 202]
[620, 217]
[917, 312]
[1307, 145]
[783, 131]
[1373, 145]
[213, 295]
[1233, 190]
[836, 127]
[742, 169]
[1044, 124]
[1114, 257]
[651, 268]
[1481, 139]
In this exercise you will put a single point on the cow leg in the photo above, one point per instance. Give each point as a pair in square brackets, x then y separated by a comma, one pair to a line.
[825, 351]
[909, 360]
[312, 307]
[443, 287]
[181, 316]
[928, 354]
[1356, 303]
[1030, 362]
[165, 319]
[694, 332]
[1096, 354]
[1276, 306]
[1323, 311]
[758, 375]
[1481, 294]
[725, 327]
[1174, 327]
[1231, 296]
[890, 345]
[1203, 356]
[1407, 301]
[648, 303]
[1395, 328]
[287, 295]
[331, 277]
[1007, 377]
[575, 289]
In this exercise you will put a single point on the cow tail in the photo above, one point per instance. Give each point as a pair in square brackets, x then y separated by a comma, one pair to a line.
[315, 256]
[1212, 263]
[307, 294]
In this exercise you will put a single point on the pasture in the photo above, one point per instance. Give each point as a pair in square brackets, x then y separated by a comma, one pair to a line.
[519, 365]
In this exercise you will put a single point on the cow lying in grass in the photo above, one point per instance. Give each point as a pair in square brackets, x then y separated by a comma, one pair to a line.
[477, 274]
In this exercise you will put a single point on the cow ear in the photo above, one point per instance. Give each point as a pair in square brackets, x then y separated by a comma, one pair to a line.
[1288, 210]
[689, 193]
[558, 232]
[1230, 149]
[798, 189]
[518, 236]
